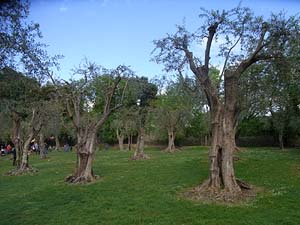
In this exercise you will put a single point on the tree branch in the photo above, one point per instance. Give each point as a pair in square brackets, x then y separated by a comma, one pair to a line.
[211, 32]
[254, 57]
[228, 54]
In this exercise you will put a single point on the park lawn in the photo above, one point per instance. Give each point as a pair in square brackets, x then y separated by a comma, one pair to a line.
[148, 192]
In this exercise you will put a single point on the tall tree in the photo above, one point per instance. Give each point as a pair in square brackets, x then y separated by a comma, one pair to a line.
[257, 40]
[21, 50]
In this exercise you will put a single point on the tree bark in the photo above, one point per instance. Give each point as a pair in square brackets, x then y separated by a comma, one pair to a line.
[35, 127]
[57, 145]
[129, 142]
[42, 146]
[16, 138]
[140, 145]
[280, 139]
[120, 137]
[171, 141]
[85, 154]
[25, 160]
[121, 143]
[222, 175]
[224, 120]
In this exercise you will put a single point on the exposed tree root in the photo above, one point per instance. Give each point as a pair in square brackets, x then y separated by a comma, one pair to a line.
[207, 194]
[21, 171]
[140, 156]
[237, 149]
[81, 179]
[243, 185]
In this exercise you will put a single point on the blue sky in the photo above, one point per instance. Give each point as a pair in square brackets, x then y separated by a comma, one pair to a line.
[113, 32]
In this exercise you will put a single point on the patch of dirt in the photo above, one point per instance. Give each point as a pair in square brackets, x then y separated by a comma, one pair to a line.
[206, 195]
[18, 172]
[71, 179]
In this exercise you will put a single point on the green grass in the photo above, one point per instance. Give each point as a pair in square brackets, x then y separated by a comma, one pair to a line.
[147, 192]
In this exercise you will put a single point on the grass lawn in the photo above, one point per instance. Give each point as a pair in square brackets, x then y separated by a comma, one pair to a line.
[147, 192]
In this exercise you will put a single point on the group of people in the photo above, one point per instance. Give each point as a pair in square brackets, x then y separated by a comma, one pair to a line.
[6, 149]
[34, 147]
[9, 149]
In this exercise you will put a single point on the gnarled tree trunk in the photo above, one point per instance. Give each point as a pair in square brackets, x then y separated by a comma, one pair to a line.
[171, 141]
[25, 161]
[85, 154]
[224, 120]
[35, 127]
[221, 155]
[140, 145]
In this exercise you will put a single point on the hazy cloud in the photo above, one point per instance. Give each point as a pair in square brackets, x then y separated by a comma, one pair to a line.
[63, 9]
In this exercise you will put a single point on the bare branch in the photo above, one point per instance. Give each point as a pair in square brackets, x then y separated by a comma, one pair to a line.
[110, 95]
[124, 89]
[254, 57]
[212, 30]
[228, 54]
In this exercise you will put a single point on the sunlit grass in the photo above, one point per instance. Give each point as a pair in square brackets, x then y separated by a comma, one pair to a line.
[147, 192]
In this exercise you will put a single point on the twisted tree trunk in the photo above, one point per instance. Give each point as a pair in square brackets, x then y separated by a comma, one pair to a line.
[85, 155]
[140, 145]
[223, 123]
[35, 127]
[171, 141]
[221, 155]
[25, 160]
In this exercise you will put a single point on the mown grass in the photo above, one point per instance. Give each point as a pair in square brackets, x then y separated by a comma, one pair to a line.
[148, 192]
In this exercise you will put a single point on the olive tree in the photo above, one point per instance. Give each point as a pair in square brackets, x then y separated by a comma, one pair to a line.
[172, 110]
[24, 99]
[21, 50]
[145, 92]
[89, 102]
[244, 40]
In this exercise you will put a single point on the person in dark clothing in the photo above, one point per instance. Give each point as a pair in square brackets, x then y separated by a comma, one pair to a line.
[14, 153]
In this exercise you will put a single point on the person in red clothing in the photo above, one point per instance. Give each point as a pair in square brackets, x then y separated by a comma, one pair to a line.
[8, 148]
